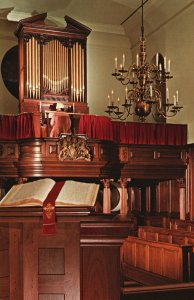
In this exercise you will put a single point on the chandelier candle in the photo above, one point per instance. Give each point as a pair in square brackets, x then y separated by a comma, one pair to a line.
[144, 82]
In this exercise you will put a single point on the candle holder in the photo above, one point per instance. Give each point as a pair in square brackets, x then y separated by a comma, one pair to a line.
[144, 82]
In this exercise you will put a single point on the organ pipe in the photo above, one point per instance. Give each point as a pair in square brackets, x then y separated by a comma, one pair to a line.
[33, 69]
[55, 69]
[52, 64]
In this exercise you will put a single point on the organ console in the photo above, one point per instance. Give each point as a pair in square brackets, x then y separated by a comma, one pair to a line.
[52, 64]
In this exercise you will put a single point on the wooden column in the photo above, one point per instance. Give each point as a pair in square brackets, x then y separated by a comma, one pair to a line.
[2, 189]
[124, 197]
[106, 196]
[182, 199]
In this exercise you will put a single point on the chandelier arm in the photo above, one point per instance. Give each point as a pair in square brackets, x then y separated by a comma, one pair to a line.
[146, 82]
[142, 24]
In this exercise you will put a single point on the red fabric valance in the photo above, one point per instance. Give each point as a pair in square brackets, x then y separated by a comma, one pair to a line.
[103, 128]
[16, 126]
[99, 127]
[149, 133]
[96, 127]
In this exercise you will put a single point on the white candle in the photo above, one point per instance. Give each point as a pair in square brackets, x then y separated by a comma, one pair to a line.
[169, 65]
[157, 58]
[164, 62]
[115, 62]
[108, 99]
[126, 92]
[167, 93]
[177, 97]
[174, 97]
[151, 91]
[112, 93]
[123, 60]
[137, 60]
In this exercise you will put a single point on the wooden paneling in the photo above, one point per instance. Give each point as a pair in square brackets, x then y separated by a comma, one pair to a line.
[16, 261]
[174, 193]
[100, 257]
[173, 263]
[140, 255]
[4, 290]
[4, 262]
[164, 196]
[51, 261]
[80, 262]
[4, 236]
[152, 162]
[162, 258]
[156, 263]
[100, 278]
[30, 260]
[190, 181]
[51, 297]
[39, 157]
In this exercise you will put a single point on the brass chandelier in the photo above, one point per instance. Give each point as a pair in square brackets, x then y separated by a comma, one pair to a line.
[144, 84]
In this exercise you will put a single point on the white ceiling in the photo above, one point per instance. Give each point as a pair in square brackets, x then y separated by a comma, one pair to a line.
[100, 15]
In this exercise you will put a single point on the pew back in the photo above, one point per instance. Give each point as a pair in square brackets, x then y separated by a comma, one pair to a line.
[166, 235]
[165, 259]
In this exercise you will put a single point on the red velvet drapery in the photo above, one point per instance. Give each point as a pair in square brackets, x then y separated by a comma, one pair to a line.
[96, 127]
[103, 128]
[16, 126]
[149, 134]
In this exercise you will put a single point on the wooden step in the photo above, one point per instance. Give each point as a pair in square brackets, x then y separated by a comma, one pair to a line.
[145, 278]
[131, 283]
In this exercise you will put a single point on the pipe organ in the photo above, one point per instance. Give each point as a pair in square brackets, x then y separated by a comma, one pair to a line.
[52, 64]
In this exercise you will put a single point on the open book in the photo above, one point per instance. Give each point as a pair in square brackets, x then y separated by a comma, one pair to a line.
[34, 193]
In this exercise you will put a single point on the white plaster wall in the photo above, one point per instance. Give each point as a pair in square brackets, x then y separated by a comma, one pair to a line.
[102, 50]
[175, 40]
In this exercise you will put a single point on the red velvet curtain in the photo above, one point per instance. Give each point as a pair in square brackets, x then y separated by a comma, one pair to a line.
[102, 128]
[16, 126]
[96, 127]
[131, 132]
[149, 134]
[24, 128]
[7, 127]
[171, 134]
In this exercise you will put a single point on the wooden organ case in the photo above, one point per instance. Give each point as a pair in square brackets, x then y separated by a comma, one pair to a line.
[52, 64]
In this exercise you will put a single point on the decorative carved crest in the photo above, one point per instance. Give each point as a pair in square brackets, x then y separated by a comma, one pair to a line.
[74, 147]
[49, 210]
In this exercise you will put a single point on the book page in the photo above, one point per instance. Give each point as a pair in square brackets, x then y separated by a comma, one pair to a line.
[78, 193]
[28, 194]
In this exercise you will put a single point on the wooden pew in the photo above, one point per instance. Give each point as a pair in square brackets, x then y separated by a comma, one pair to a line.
[158, 221]
[166, 259]
[166, 235]
[185, 225]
